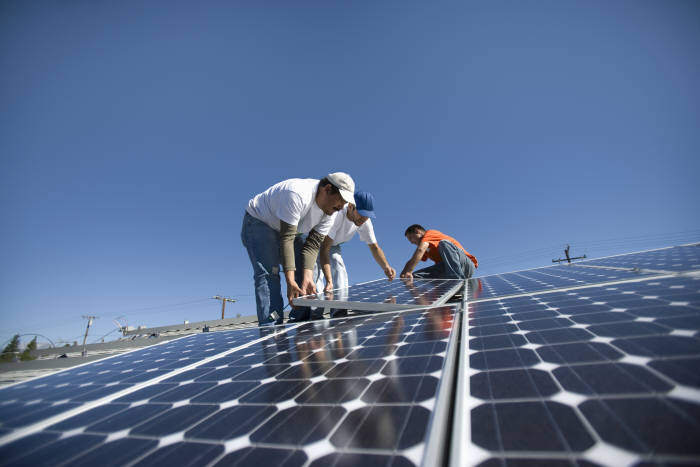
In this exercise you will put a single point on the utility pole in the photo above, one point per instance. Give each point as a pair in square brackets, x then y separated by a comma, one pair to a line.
[89, 318]
[568, 258]
[223, 302]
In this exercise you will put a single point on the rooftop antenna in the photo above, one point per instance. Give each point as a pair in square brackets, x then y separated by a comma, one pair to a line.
[123, 328]
[223, 302]
[568, 258]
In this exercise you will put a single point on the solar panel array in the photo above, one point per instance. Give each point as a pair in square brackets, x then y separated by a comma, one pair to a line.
[596, 363]
[612, 269]
[600, 375]
[604, 374]
[360, 389]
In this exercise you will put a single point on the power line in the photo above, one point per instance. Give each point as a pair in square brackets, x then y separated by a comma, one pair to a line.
[100, 338]
[156, 307]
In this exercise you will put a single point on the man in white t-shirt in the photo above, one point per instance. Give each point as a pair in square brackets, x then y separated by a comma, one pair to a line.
[353, 218]
[274, 225]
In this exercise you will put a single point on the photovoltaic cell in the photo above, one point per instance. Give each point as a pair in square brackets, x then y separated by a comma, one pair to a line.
[325, 393]
[385, 295]
[604, 375]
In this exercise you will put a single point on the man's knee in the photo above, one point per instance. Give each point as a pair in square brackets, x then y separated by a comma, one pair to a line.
[470, 269]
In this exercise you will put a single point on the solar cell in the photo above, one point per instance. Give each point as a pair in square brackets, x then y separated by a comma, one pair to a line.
[602, 375]
[385, 295]
[330, 391]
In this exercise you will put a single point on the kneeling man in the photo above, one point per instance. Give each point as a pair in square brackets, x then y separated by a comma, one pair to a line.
[452, 261]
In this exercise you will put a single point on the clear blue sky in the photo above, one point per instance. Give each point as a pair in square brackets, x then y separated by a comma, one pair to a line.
[132, 135]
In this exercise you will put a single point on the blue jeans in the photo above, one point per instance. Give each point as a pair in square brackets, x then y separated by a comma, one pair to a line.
[263, 245]
[454, 265]
[340, 279]
[300, 313]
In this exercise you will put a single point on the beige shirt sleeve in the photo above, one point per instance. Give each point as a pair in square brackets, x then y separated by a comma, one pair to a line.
[310, 249]
[287, 234]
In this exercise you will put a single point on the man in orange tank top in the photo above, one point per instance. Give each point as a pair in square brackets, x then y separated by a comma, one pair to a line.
[452, 261]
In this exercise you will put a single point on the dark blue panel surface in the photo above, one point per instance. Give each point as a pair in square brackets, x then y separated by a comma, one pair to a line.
[115, 453]
[59, 451]
[678, 258]
[25, 446]
[183, 453]
[560, 372]
[364, 384]
[35, 400]
[548, 278]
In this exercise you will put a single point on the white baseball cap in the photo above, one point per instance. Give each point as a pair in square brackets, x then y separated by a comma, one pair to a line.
[345, 184]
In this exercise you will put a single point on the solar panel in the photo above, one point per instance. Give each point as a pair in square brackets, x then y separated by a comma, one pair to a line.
[603, 375]
[549, 278]
[583, 364]
[360, 389]
[385, 295]
[27, 403]
[678, 258]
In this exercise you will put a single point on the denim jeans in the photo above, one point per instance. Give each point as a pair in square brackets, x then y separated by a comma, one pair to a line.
[339, 275]
[300, 313]
[338, 272]
[454, 265]
[263, 245]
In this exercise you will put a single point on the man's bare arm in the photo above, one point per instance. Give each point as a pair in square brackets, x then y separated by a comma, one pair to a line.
[381, 260]
[415, 259]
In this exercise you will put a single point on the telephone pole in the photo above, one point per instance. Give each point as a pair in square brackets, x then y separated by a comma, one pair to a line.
[568, 258]
[223, 302]
[89, 318]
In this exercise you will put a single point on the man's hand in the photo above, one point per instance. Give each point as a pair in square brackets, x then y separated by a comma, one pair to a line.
[293, 291]
[308, 286]
[390, 273]
[407, 271]
[328, 288]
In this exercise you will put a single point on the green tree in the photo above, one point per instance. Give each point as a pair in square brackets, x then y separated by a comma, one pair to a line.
[10, 351]
[26, 355]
